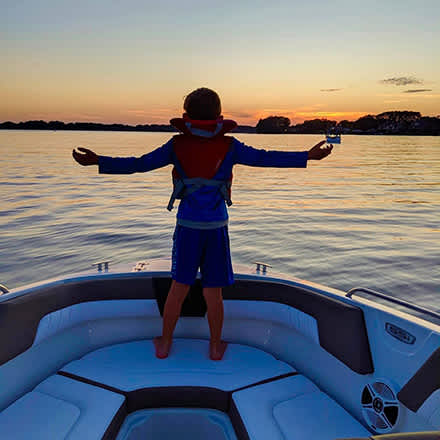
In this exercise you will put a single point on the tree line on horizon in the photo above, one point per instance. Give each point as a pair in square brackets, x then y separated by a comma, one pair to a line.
[391, 122]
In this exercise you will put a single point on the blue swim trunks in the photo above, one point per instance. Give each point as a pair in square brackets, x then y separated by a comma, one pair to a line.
[207, 249]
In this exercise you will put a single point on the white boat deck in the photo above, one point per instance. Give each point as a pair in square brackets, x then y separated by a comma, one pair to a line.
[263, 396]
[133, 366]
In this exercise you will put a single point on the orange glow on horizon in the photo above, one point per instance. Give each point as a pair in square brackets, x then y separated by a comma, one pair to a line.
[295, 116]
[338, 116]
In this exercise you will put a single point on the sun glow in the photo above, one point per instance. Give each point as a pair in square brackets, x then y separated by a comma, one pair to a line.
[135, 65]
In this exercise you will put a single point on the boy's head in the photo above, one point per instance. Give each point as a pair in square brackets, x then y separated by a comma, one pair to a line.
[203, 104]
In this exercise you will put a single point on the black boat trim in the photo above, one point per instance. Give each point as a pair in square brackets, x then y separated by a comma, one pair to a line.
[262, 382]
[422, 384]
[115, 425]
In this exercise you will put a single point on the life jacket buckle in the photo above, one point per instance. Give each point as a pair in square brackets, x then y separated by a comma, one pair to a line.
[178, 188]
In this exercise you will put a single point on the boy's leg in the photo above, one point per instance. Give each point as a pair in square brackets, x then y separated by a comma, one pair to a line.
[185, 262]
[214, 302]
[216, 268]
[171, 313]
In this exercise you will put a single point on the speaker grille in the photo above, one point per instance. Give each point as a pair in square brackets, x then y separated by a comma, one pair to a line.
[380, 407]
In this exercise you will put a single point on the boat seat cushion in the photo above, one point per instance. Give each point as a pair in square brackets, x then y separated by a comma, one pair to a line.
[133, 365]
[295, 408]
[59, 408]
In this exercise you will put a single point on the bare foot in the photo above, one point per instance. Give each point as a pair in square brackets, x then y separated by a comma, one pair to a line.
[216, 351]
[162, 347]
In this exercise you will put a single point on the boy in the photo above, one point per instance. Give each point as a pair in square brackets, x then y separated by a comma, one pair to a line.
[203, 158]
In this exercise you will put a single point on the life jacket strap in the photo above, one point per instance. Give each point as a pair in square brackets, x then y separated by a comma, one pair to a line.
[184, 187]
[225, 191]
[178, 187]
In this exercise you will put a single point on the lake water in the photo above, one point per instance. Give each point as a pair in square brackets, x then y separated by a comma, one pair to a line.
[368, 215]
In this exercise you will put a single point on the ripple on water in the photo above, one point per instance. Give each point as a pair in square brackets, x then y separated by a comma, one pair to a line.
[358, 218]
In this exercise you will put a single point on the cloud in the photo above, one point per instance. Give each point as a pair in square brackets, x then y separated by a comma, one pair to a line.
[330, 90]
[401, 81]
[138, 112]
[239, 114]
[417, 90]
[302, 115]
[65, 116]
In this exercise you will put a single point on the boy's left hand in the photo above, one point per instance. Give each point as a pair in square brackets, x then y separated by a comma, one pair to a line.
[88, 158]
[318, 153]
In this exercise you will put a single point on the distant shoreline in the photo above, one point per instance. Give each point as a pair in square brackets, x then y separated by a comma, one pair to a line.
[92, 126]
[407, 123]
[235, 131]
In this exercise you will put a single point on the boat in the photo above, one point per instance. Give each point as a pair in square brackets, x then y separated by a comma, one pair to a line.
[303, 362]
[333, 138]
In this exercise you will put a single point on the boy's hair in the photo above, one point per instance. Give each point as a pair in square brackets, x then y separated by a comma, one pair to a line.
[203, 104]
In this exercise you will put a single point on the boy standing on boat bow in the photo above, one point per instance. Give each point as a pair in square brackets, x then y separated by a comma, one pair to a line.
[203, 158]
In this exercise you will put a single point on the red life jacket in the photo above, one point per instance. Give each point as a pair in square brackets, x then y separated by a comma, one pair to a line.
[202, 146]
[199, 151]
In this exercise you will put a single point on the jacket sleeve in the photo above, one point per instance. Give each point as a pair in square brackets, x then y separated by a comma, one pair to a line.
[246, 155]
[158, 158]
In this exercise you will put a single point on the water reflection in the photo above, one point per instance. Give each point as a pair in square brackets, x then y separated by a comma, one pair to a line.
[367, 215]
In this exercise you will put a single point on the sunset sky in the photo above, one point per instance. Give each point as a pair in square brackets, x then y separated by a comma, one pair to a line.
[134, 61]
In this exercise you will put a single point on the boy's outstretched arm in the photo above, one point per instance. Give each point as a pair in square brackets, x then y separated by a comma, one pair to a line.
[126, 165]
[254, 157]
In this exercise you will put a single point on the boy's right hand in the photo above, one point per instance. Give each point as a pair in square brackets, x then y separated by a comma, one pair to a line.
[89, 158]
[318, 153]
